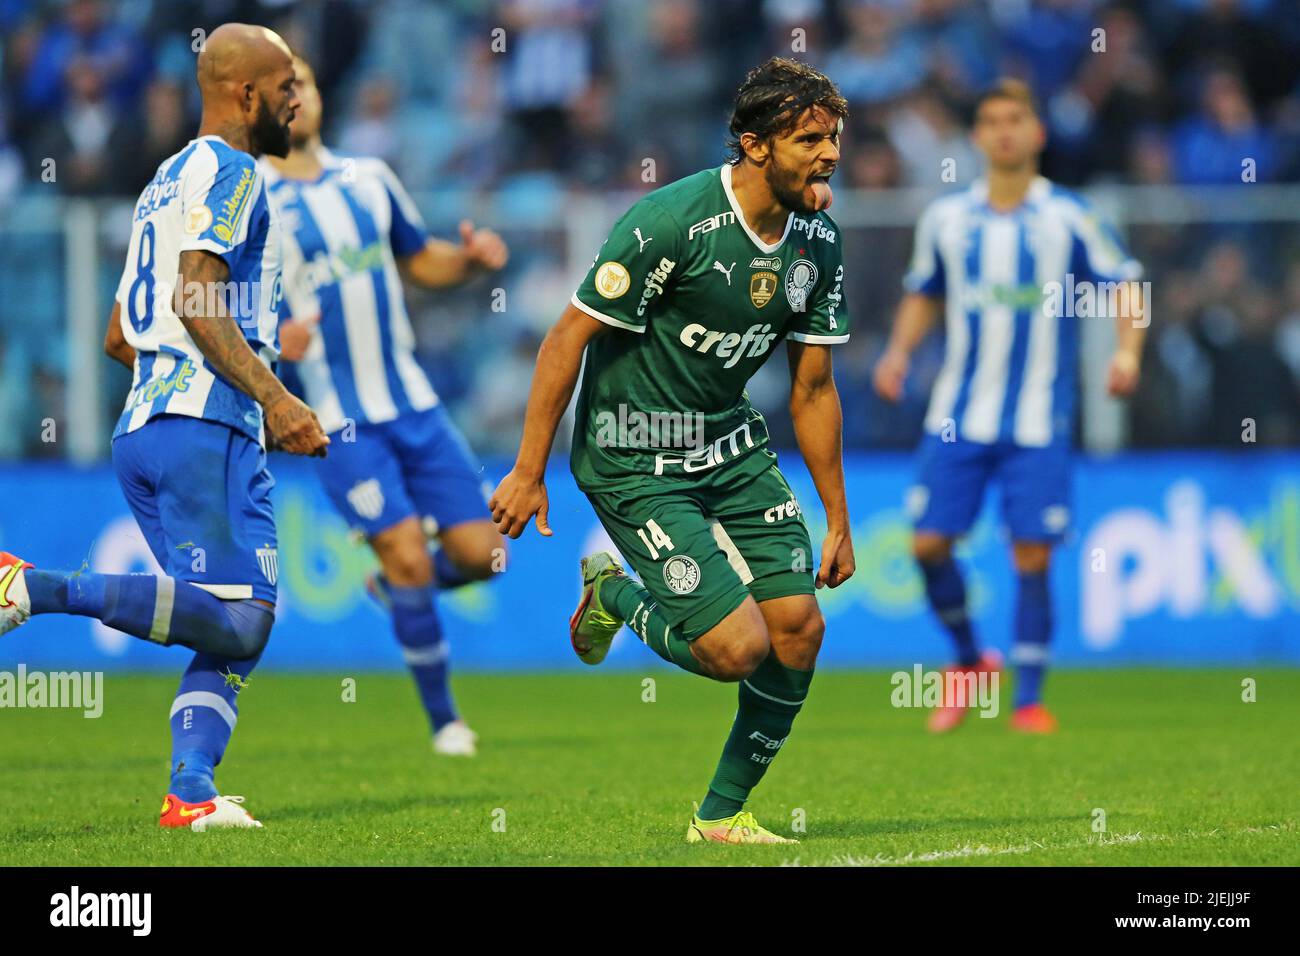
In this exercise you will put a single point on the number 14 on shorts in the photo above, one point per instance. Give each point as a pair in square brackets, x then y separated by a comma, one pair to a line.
[656, 541]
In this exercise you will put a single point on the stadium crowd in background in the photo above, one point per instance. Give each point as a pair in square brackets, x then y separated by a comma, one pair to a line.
[586, 90]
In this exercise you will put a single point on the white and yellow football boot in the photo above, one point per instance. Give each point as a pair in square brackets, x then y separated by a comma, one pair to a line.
[739, 828]
[15, 606]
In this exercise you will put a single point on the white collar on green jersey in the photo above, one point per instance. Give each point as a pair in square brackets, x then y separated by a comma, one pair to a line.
[725, 176]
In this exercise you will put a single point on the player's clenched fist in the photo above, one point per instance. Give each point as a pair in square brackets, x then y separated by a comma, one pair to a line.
[292, 427]
[890, 373]
[483, 247]
[1123, 374]
[515, 502]
[838, 563]
[295, 336]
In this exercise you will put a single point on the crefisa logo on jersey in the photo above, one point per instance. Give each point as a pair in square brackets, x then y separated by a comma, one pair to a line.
[799, 281]
[654, 283]
[814, 228]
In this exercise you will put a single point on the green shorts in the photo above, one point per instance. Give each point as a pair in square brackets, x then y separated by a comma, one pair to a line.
[702, 551]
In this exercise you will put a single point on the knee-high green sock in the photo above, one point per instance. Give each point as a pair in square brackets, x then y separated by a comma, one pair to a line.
[770, 698]
[633, 603]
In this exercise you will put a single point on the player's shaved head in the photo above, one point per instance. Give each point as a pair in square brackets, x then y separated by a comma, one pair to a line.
[245, 76]
[238, 53]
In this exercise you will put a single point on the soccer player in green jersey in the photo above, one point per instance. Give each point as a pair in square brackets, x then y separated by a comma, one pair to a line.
[691, 293]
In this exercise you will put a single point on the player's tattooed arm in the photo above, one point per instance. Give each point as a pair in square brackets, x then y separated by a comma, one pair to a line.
[916, 315]
[440, 264]
[115, 344]
[522, 493]
[290, 424]
[818, 421]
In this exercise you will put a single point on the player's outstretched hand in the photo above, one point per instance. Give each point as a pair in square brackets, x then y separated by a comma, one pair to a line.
[1123, 374]
[292, 427]
[889, 375]
[483, 247]
[837, 559]
[515, 502]
[295, 336]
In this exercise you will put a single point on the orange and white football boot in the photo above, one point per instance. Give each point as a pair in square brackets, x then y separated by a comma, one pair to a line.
[205, 815]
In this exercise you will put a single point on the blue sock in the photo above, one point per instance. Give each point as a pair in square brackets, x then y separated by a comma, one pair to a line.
[446, 573]
[419, 631]
[159, 609]
[947, 594]
[203, 717]
[1033, 632]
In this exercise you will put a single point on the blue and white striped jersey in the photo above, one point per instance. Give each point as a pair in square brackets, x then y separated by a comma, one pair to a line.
[1010, 369]
[343, 232]
[208, 196]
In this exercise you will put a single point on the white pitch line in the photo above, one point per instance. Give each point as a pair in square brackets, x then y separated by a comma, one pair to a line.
[983, 850]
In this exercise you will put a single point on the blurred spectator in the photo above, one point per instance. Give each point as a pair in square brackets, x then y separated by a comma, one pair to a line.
[584, 92]
[1122, 93]
[77, 135]
[879, 61]
[372, 129]
[138, 146]
[1149, 162]
[930, 138]
[1047, 41]
[683, 83]
[961, 43]
[88, 32]
[869, 160]
[549, 62]
[1234, 32]
[1251, 382]
[1214, 145]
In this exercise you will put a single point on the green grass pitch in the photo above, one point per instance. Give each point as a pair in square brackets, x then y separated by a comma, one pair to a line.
[578, 769]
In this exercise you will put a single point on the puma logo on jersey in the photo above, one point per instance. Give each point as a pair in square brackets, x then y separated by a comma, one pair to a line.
[726, 272]
[755, 341]
[641, 243]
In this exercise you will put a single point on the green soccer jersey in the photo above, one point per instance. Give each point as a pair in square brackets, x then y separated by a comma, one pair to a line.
[698, 303]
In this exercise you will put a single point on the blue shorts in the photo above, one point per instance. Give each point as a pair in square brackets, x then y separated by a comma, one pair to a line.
[201, 494]
[417, 464]
[952, 476]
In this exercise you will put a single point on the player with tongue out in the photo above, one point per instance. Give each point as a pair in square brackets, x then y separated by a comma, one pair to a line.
[822, 190]
[696, 287]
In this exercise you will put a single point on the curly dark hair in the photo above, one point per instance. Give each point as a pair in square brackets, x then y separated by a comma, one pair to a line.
[773, 97]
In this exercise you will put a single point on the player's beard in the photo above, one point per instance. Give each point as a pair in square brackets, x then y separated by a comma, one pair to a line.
[270, 137]
[788, 187]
